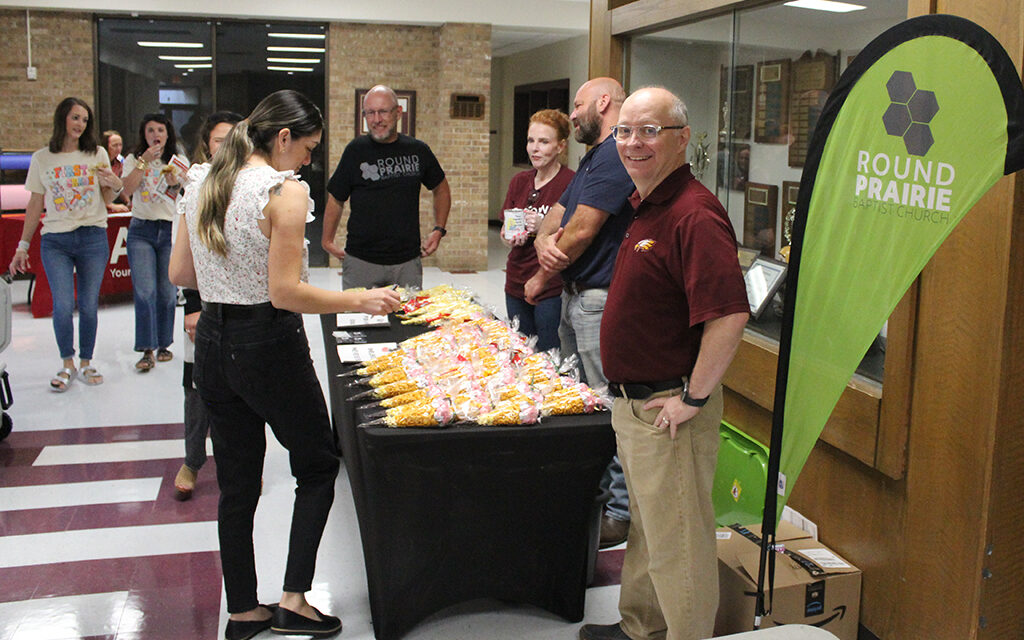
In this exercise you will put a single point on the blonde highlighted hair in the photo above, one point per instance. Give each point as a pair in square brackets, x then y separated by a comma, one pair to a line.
[285, 109]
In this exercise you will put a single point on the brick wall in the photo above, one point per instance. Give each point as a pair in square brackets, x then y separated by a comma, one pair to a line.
[465, 61]
[433, 62]
[62, 51]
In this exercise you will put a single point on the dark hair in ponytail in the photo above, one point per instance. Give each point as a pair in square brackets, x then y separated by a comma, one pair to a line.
[285, 109]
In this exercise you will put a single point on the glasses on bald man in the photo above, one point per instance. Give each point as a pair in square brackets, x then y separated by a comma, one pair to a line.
[623, 132]
[369, 113]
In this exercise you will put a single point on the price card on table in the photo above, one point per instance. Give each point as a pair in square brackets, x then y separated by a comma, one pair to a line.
[364, 352]
[361, 320]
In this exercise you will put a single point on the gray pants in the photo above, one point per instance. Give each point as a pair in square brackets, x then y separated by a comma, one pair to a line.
[360, 273]
[197, 426]
[580, 332]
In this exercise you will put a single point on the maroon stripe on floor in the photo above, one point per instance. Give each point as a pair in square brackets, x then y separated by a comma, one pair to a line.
[164, 510]
[608, 569]
[88, 471]
[110, 574]
[170, 597]
[93, 435]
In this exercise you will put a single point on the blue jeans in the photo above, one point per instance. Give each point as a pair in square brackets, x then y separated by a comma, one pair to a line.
[250, 373]
[580, 331]
[149, 253]
[539, 320]
[83, 251]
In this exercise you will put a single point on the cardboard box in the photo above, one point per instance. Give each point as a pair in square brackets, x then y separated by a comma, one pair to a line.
[830, 601]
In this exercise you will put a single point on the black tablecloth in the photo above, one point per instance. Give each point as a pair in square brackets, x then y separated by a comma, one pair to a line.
[465, 512]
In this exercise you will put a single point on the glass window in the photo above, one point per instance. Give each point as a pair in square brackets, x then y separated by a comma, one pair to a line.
[148, 66]
[754, 83]
[190, 69]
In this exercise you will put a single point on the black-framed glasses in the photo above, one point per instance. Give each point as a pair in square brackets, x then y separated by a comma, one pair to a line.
[533, 197]
[623, 132]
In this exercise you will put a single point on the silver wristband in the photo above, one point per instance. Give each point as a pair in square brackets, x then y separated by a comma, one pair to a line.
[23, 246]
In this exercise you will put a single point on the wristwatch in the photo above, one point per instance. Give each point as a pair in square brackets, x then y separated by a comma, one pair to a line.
[690, 400]
[443, 231]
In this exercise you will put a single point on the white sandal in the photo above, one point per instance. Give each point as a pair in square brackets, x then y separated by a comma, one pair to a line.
[91, 376]
[63, 379]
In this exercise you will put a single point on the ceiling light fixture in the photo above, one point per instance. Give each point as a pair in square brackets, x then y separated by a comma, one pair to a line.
[295, 60]
[193, 66]
[825, 5]
[186, 58]
[299, 36]
[299, 49]
[171, 45]
[306, 69]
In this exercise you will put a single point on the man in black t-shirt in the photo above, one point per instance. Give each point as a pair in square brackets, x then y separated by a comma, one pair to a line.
[382, 172]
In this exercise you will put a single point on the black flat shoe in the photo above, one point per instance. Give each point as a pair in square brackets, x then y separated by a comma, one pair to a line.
[245, 629]
[287, 622]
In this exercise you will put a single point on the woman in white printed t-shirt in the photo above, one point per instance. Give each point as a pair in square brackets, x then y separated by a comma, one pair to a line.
[153, 183]
[71, 178]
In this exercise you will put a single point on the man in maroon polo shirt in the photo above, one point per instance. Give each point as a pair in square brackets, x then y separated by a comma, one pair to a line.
[674, 318]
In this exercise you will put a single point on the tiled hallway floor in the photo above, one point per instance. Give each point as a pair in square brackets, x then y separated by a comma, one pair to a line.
[93, 545]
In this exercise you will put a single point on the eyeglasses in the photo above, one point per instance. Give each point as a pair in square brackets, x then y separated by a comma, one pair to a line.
[533, 197]
[378, 112]
[623, 132]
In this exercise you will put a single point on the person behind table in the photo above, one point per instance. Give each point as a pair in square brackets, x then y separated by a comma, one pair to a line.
[579, 239]
[242, 246]
[382, 172]
[114, 144]
[72, 180]
[197, 422]
[535, 191]
[153, 185]
[677, 270]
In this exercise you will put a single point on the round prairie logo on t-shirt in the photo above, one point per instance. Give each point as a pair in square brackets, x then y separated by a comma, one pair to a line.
[370, 171]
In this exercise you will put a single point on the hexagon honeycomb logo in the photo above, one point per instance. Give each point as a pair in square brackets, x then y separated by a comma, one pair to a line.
[910, 112]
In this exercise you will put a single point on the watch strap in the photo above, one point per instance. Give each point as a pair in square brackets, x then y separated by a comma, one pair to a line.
[690, 400]
[443, 231]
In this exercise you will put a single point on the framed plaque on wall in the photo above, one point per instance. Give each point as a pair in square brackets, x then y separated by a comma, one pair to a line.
[813, 79]
[790, 191]
[760, 217]
[739, 111]
[772, 113]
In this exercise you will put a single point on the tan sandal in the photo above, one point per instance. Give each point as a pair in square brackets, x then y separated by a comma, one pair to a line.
[90, 376]
[63, 379]
[184, 483]
[164, 355]
[146, 362]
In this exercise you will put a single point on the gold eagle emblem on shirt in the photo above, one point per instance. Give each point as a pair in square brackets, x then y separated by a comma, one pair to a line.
[644, 246]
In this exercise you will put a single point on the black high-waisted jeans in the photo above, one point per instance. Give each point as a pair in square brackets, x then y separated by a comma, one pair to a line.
[250, 371]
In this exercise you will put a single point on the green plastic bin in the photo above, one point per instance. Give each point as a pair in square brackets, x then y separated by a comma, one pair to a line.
[740, 478]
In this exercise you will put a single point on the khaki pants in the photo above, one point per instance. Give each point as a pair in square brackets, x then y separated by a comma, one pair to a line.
[670, 572]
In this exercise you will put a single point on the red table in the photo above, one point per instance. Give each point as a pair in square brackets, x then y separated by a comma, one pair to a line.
[117, 281]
